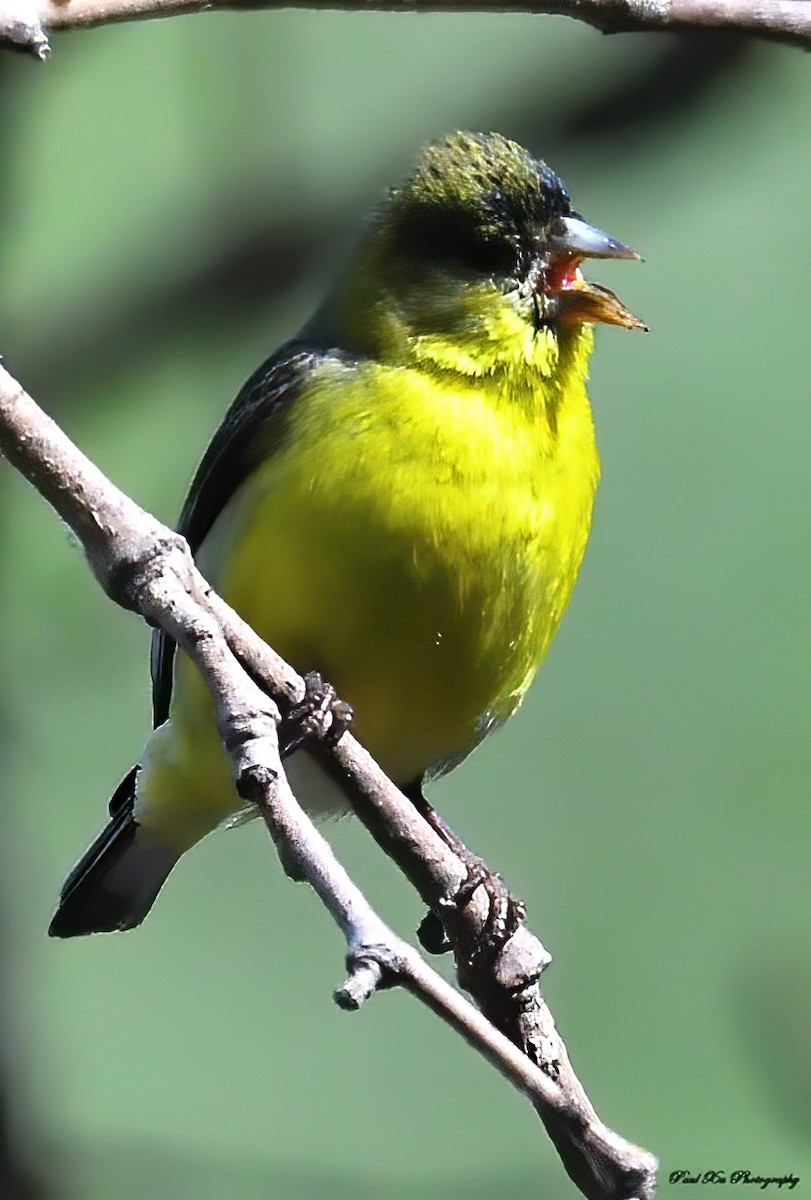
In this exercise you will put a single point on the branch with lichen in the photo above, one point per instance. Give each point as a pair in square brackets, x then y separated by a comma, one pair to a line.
[148, 569]
[28, 23]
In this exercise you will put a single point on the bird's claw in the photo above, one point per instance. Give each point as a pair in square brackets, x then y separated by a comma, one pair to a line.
[432, 934]
[319, 714]
[505, 914]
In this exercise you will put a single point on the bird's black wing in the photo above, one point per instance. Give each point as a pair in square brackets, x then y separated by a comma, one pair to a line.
[252, 430]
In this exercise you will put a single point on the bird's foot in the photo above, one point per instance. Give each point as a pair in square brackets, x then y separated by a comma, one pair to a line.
[319, 714]
[504, 916]
[442, 930]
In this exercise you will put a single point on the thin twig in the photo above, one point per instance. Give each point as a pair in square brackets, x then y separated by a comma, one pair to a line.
[25, 22]
[147, 568]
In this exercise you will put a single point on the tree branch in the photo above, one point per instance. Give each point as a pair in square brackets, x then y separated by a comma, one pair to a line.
[26, 22]
[145, 567]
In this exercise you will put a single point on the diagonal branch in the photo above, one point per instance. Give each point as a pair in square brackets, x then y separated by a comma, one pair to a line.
[148, 569]
[26, 22]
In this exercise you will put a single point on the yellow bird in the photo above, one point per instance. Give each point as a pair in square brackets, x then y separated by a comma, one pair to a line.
[399, 498]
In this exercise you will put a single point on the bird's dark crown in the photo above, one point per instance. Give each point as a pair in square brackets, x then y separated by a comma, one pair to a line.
[475, 199]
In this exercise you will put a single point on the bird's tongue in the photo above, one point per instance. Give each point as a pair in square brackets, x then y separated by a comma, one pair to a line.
[564, 273]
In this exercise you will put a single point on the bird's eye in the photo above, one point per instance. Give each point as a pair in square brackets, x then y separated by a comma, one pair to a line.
[484, 255]
[446, 240]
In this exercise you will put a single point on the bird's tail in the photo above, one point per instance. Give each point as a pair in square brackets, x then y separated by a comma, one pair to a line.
[114, 884]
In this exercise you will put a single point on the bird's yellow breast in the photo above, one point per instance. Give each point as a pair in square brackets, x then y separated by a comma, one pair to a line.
[417, 541]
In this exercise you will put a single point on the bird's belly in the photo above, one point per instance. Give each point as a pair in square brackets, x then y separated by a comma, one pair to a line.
[431, 627]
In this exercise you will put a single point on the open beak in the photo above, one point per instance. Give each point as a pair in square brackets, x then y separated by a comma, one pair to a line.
[574, 299]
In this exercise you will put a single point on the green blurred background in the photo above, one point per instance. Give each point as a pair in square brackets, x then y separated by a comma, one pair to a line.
[173, 199]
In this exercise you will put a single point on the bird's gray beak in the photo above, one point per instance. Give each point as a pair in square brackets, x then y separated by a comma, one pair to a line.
[580, 238]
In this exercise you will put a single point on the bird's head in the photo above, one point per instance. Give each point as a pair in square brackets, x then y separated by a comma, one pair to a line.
[479, 248]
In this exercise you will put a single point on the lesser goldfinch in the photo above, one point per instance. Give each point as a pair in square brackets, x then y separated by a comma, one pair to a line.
[399, 498]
